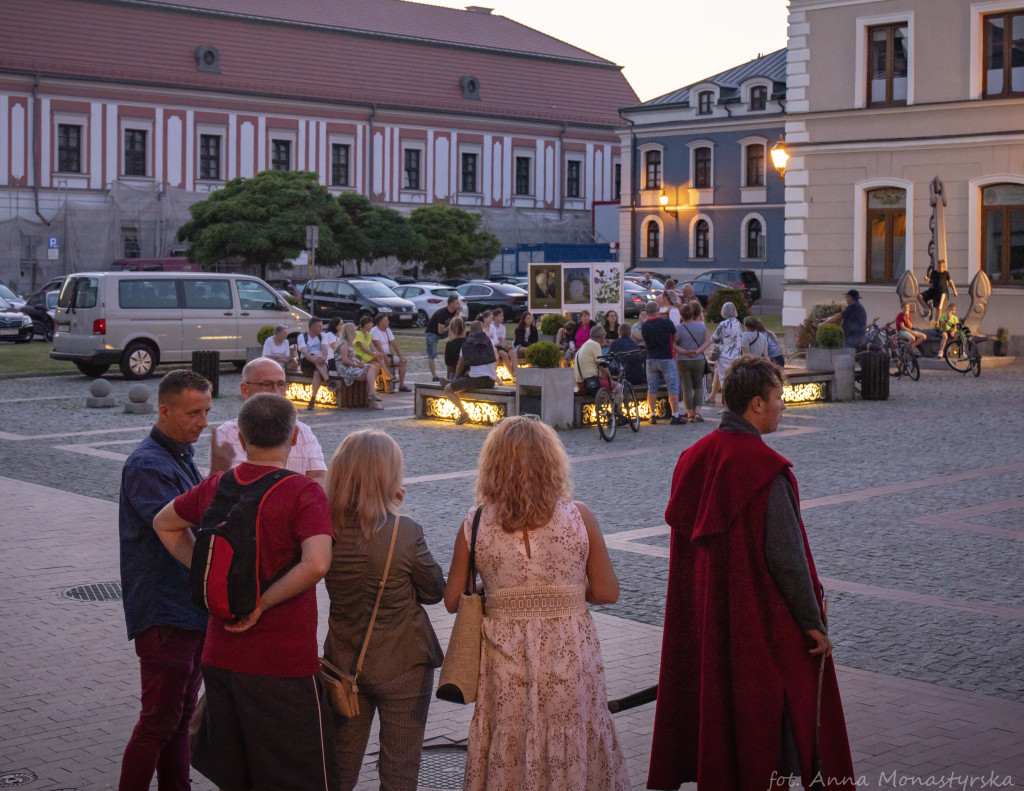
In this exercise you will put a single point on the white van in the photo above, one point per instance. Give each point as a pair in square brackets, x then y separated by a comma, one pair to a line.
[137, 320]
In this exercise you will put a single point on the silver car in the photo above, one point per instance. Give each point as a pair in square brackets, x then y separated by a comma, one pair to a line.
[428, 297]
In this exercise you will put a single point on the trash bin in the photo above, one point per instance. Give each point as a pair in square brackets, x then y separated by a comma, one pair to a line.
[208, 364]
[874, 375]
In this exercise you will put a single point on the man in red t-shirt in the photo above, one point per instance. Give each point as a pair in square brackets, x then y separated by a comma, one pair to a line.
[266, 720]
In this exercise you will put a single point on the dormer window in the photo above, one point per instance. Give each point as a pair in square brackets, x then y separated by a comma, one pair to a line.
[758, 98]
[704, 102]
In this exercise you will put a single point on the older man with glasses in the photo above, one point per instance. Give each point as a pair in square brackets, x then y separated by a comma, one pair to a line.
[264, 375]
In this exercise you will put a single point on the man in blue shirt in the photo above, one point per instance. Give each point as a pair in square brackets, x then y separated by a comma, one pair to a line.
[167, 628]
[854, 320]
[658, 333]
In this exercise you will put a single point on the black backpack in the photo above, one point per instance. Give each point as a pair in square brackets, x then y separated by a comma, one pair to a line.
[225, 571]
[478, 350]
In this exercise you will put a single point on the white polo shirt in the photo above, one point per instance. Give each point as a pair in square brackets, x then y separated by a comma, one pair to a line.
[383, 337]
[304, 456]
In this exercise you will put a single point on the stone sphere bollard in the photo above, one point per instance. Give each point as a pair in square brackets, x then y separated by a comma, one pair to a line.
[138, 404]
[100, 397]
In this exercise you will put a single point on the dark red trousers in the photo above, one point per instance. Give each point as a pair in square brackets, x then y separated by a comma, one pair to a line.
[171, 667]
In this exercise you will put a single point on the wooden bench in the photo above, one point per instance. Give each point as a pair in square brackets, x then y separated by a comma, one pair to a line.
[485, 406]
[344, 397]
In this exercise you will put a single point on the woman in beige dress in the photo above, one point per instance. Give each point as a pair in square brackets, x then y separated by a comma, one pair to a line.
[541, 720]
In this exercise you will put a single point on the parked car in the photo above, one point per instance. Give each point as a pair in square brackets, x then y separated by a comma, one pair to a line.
[735, 278]
[351, 299]
[429, 297]
[137, 320]
[703, 289]
[387, 281]
[404, 280]
[14, 325]
[287, 286]
[11, 298]
[481, 296]
[512, 280]
[53, 284]
[647, 281]
[635, 297]
[42, 312]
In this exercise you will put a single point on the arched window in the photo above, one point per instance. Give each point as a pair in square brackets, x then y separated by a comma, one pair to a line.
[887, 234]
[653, 240]
[755, 239]
[702, 239]
[1002, 221]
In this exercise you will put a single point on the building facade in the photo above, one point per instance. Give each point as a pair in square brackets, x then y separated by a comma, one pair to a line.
[882, 97]
[116, 115]
[700, 191]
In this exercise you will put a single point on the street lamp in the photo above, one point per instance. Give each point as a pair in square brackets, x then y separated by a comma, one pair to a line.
[780, 156]
[663, 200]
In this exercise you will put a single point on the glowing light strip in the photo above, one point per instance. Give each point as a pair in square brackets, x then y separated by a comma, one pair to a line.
[805, 393]
[503, 373]
[478, 411]
[661, 409]
[297, 391]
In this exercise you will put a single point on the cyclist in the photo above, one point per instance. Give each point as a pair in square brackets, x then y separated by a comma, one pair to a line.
[591, 372]
[947, 326]
[905, 328]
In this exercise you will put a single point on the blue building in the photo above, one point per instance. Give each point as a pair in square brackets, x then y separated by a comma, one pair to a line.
[699, 191]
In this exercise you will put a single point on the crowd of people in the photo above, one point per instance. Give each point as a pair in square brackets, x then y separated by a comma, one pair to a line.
[541, 719]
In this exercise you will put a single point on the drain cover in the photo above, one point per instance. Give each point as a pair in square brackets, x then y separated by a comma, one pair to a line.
[97, 591]
[442, 768]
[12, 779]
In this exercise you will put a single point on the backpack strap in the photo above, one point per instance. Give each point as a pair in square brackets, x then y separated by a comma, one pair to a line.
[376, 605]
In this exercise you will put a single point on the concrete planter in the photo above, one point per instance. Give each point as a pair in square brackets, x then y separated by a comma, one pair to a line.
[840, 362]
[548, 338]
[555, 386]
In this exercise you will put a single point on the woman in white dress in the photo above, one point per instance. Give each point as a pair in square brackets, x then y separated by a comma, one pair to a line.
[541, 720]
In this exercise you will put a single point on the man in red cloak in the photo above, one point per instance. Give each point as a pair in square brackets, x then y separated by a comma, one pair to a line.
[744, 633]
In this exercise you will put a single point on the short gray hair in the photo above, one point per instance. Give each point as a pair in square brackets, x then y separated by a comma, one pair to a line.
[266, 421]
[651, 307]
[596, 332]
[728, 311]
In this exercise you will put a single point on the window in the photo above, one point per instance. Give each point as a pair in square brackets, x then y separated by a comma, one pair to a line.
[1002, 219]
[617, 179]
[469, 172]
[704, 102]
[135, 152]
[130, 247]
[887, 64]
[411, 179]
[209, 294]
[255, 296]
[652, 164]
[1004, 54]
[702, 239]
[573, 168]
[156, 294]
[755, 165]
[702, 168]
[523, 176]
[280, 154]
[758, 97]
[209, 157]
[755, 240]
[339, 164]
[653, 240]
[887, 234]
[69, 148]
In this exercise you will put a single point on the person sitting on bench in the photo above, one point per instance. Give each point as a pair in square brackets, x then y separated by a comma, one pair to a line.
[476, 370]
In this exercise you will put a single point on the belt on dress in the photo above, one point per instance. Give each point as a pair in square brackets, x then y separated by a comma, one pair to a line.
[552, 601]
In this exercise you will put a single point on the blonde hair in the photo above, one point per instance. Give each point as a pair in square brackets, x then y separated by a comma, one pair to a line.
[348, 332]
[524, 473]
[457, 327]
[363, 481]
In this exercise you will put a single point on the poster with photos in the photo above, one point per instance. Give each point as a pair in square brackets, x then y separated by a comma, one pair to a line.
[545, 288]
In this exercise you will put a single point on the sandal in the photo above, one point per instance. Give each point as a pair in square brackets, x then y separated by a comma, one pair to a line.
[696, 419]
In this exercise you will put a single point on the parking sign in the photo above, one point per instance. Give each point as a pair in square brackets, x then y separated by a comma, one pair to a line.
[53, 247]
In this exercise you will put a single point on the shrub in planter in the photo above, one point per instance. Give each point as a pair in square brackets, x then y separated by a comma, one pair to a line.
[1001, 341]
[552, 323]
[723, 295]
[829, 336]
[806, 331]
[264, 333]
[543, 354]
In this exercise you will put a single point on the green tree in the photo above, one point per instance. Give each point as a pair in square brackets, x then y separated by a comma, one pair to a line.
[452, 240]
[381, 232]
[263, 220]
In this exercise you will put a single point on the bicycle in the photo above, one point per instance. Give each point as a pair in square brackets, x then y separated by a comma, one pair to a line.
[902, 361]
[962, 353]
[608, 418]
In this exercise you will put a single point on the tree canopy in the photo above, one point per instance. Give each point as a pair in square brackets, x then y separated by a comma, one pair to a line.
[263, 220]
[452, 239]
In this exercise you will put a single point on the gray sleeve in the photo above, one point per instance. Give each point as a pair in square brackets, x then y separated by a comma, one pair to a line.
[784, 552]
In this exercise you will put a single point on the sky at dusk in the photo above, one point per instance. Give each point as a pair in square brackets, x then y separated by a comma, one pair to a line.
[662, 44]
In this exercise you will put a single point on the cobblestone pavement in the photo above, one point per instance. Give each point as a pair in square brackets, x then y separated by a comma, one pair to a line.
[914, 508]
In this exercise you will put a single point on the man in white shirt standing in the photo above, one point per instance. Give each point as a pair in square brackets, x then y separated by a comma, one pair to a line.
[384, 342]
[263, 375]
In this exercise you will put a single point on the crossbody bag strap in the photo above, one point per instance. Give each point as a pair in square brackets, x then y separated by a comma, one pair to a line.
[380, 593]
[471, 570]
